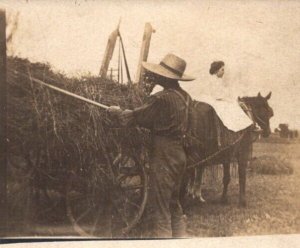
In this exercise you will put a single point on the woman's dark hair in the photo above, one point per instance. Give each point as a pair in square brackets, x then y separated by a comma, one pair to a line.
[215, 66]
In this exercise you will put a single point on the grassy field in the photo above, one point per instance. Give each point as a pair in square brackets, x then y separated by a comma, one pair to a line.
[273, 201]
[273, 204]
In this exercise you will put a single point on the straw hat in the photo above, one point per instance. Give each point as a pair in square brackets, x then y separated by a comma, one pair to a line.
[170, 67]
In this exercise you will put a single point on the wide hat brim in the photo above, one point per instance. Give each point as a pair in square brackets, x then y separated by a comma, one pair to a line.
[162, 71]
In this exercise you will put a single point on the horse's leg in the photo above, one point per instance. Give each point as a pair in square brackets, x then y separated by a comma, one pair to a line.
[197, 191]
[242, 166]
[226, 181]
[183, 191]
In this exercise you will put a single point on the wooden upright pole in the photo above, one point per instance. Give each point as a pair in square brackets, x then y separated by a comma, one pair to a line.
[125, 60]
[110, 47]
[144, 51]
[3, 115]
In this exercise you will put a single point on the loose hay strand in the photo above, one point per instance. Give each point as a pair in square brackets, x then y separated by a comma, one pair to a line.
[54, 135]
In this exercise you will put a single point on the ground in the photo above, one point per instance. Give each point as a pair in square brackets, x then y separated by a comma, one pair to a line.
[273, 201]
[273, 204]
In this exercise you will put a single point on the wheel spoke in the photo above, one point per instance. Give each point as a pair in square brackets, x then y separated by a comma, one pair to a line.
[79, 197]
[122, 216]
[83, 214]
[76, 198]
[96, 221]
[132, 203]
[132, 187]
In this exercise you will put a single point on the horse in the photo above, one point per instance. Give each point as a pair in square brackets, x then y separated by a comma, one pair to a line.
[235, 144]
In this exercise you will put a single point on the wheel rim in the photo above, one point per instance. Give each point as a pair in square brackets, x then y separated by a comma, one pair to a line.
[87, 208]
[134, 186]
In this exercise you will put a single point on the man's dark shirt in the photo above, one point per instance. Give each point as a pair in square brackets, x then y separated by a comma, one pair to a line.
[164, 113]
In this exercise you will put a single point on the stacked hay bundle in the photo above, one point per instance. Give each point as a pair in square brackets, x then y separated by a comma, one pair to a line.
[51, 135]
[271, 165]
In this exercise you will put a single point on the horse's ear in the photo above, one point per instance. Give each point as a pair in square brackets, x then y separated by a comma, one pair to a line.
[268, 96]
[259, 95]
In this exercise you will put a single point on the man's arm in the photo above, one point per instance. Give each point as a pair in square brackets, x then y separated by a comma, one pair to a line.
[143, 116]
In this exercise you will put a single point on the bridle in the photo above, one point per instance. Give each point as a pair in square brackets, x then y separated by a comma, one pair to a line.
[258, 118]
[252, 115]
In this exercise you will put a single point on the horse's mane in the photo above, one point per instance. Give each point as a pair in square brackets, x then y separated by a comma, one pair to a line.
[253, 100]
[249, 99]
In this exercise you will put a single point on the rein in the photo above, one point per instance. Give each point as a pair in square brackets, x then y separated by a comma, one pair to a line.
[248, 110]
[258, 118]
[210, 157]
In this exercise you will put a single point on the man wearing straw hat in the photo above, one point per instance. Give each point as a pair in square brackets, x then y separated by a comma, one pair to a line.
[166, 115]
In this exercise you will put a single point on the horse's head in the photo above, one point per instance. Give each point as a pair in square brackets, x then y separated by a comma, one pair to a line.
[261, 111]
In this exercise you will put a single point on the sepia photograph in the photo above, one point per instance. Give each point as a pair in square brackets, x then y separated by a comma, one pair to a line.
[149, 120]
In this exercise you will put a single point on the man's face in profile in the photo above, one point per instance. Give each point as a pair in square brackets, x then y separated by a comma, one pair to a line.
[150, 80]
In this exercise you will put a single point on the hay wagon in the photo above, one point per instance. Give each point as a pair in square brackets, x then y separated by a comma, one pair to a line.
[64, 154]
[66, 159]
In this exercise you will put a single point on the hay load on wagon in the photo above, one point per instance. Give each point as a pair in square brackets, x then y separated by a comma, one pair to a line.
[53, 138]
[63, 149]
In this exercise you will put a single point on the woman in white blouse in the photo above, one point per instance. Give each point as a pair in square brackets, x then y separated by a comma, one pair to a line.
[225, 103]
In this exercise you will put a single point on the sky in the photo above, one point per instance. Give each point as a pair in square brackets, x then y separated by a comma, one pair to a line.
[259, 41]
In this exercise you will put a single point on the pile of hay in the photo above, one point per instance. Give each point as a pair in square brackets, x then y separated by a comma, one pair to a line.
[271, 165]
[51, 135]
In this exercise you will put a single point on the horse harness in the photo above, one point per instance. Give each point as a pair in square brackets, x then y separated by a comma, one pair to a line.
[186, 138]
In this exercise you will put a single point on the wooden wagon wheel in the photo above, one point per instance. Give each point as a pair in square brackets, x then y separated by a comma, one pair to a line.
[19, 190]
[31, 200]
[96, 208]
